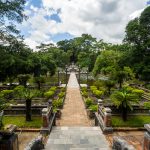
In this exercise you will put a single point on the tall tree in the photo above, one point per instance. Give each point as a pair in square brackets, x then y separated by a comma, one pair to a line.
[138, 35]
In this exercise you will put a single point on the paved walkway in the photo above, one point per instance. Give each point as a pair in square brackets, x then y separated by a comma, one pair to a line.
[73, 113]
[75, 132]
[77, 138]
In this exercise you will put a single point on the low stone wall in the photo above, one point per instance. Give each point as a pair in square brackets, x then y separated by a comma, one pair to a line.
[21, 110]
[136, 110]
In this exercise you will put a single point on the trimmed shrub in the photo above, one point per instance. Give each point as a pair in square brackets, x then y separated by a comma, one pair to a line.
[61, 94]
[57, 103]
[89, 102]
[92, 88]
[93, 108]
[98, 93]
[63, 89]
[84, 94]
[49, 94]
[84, 89]
[138, 92]
[53, 88]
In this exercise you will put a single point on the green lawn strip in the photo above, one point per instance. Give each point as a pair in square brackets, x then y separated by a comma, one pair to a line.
[20, 121]
[133, 121]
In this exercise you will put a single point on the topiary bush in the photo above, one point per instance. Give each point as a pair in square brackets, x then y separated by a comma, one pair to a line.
[49, 94]
[89, 102]
[98, 93]
[61, 94]
[53, 88]
[92, 88]
[63, 89]
[84, 94]
[57, 103]
[94, 108]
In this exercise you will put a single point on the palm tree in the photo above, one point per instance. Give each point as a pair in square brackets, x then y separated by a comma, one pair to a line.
[109, 84]
[124, 99]
[28, 95]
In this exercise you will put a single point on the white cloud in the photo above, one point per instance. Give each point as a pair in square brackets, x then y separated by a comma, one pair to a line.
[104, 19]
[136, 14]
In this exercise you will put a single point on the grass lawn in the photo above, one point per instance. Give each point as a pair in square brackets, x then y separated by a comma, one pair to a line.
[133, 121]
[20, 121]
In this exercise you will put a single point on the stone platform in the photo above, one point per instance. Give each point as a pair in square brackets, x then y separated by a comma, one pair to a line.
[77, 138]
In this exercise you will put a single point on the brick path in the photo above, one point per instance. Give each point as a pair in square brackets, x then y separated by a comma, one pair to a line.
[73, 113]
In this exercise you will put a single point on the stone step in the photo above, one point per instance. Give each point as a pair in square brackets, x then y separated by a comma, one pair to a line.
[76, 138]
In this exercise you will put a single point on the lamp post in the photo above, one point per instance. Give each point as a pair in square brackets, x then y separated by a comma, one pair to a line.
[79, 73]
[66, 69]
[58, 76]
[87, 76]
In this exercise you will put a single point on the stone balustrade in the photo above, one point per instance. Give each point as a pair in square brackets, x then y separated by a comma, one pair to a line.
[146, 142]
[48, 118]
[103, 118]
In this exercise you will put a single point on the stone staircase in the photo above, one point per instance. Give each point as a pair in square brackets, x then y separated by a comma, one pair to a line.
[77, 138]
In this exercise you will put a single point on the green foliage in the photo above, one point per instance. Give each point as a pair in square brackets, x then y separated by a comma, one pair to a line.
[147, 86]
[49, 94]
[107, 59]
[93, 88]
[3, 103]
[20, 121]
[138, 92]
[89, 102]
[109, 84]
[54, 88]
[93, 108]
[23, 78]
[61, 94]
[7, 94]
[39, 81]
[98, 93]
[11, 12]
[133, 121]
[29, 94]
[84, 94]
[147, 105]
[57, 103]
[124, 100]
[137, 35]
[84, 89]
[18, 91]
[63, 89]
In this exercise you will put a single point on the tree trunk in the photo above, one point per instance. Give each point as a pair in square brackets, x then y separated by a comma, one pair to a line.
[124, 114]
[28, 110]
[109, 90]
[120, 85]
[39, 85]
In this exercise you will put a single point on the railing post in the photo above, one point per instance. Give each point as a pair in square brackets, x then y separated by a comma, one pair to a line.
[146, 143]
[107, 117]
[45, 118]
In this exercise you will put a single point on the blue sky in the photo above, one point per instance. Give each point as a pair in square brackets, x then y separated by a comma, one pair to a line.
[55, 20]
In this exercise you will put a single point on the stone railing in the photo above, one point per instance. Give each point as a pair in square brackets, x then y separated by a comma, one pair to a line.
[48, 118]
[146, 143]
[103, 118]
[121, 144]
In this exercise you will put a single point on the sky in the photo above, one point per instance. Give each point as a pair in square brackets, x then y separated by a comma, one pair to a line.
[50, 21]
